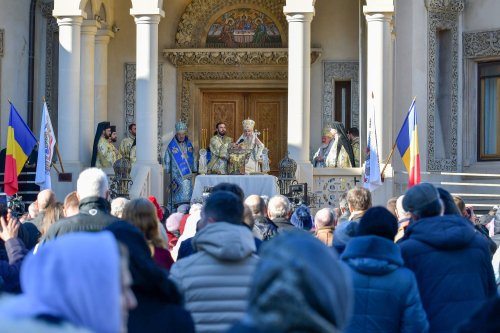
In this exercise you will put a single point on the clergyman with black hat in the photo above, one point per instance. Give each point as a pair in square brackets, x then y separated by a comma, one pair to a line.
[451, 261]
[104, 153]
[180, 161]
[341, 154]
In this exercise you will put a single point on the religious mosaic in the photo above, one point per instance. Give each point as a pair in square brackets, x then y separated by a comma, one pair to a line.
[244, 28]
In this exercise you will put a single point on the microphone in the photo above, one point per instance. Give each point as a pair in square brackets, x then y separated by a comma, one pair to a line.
[240, 141]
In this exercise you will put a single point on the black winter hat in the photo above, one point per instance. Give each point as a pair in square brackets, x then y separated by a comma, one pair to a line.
[378, 221]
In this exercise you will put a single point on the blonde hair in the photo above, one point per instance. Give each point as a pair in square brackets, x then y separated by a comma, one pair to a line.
[142, 213]
[52, 215]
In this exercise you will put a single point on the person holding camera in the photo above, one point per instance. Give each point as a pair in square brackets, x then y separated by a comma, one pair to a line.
[9, 269]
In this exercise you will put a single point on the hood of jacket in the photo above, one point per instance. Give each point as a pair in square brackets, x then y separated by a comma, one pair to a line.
[372, 255]
[447, 232]
[225, 241]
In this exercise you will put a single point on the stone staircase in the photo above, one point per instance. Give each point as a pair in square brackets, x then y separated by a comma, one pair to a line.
[482, 191]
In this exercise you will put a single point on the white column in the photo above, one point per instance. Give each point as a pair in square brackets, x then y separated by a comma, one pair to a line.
[379, 70]
[299, 15]
[69, 88]
[147, 14]
[101, 76]
[87, 129]
[146, 96]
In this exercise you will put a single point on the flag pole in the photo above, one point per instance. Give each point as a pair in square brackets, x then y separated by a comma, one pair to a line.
[59, 157]
[387, 161]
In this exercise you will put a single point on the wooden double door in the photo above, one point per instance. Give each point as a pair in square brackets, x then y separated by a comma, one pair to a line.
[268, 109]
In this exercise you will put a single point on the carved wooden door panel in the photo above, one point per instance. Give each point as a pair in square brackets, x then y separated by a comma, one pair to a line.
[267, 109]
[228, 107]
[270, 114]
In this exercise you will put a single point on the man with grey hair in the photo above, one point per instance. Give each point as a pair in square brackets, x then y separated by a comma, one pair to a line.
[117, 206]
[264, 228]
[92, 189]
[279, 211]
[324, 222]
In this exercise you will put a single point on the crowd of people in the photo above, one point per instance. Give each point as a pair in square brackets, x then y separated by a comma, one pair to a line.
[425, 263]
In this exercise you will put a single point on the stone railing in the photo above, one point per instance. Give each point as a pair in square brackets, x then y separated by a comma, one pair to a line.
[141, 187]
[329, 184]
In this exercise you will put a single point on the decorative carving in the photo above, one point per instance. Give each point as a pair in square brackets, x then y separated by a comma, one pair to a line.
[180, 57]
[340, 71]
[328, 189]
[130, 78]
[481, 44]
[51, 60]
[225, 57]
[442, 15]
[450, 6]
[195, 19]
[187, 97]
[1, 42]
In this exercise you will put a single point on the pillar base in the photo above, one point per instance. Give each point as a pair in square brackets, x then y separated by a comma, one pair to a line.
[385, 191]
[304, 174]
[147, 180]
[61, 189]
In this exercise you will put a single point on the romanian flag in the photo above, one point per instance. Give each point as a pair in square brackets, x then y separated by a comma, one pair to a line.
[407, 143]
[20, 143]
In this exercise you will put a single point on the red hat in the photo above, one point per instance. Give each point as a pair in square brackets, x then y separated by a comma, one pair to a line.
[159, 212]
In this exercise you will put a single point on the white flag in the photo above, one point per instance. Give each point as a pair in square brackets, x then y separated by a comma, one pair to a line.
[46, 145]
[372, 177]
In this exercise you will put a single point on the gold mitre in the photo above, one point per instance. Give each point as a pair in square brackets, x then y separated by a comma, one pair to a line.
[327, 132]
[248, 124]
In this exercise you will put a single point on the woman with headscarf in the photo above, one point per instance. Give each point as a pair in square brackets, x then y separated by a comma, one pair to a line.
[341, 154]
[159, 304]
[292, 293]
[78, 282]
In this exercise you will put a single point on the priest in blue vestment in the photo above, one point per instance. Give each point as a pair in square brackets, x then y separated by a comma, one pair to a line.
[181, 164]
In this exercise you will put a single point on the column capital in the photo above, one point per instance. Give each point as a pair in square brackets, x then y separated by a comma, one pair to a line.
[147, 19]
[89, 27]
[103, 36]
[299, 6]
[299, 17]
[70, 20]
[385, 7]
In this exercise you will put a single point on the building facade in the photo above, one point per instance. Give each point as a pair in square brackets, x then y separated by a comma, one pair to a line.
[294, 66]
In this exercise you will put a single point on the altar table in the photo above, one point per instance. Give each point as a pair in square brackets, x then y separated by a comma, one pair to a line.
[251, 184]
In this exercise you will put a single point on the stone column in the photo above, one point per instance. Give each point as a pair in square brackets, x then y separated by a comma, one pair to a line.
[146, 96]
[379, 69]
[147, 16]
[101, 76]
[69, 89]
[87, 129]
[299, 15]
[379, 15]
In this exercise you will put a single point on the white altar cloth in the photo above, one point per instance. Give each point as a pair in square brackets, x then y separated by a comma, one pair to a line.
[251, 184]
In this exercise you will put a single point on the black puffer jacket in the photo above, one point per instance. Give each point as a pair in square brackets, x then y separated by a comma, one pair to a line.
[93, 216]
[264, 229]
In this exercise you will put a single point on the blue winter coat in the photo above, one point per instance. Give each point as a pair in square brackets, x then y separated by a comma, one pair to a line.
[386, 294]
[453, 267]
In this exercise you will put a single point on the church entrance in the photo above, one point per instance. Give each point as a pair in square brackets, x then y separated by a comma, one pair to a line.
[267, 108]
